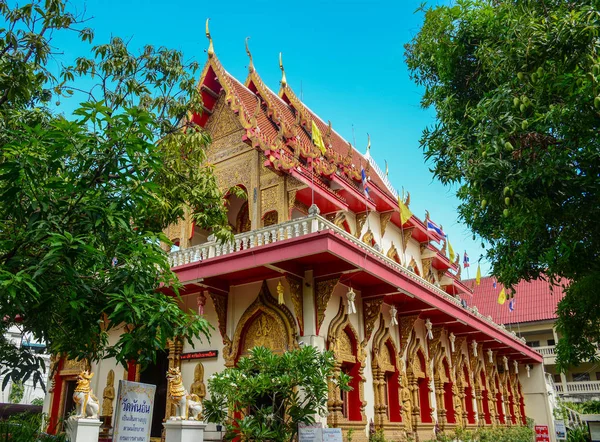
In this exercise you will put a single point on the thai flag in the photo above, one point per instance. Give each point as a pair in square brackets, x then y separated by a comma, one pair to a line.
[433, 227]
[511, 305]
[365, 182]
[466, 261]
[494, 283]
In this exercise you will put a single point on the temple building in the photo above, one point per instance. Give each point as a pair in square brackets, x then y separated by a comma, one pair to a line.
[352, 277]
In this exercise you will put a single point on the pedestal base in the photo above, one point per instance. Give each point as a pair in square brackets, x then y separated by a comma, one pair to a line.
[82, 430]
[184, 431]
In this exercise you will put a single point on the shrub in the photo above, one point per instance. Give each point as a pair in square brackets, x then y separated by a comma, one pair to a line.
[266, 395]
[26, 427]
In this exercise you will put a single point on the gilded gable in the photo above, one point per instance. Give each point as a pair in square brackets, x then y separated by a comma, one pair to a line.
[226, 133]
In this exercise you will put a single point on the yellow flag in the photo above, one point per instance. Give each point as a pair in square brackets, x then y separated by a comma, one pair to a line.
[317, 138]
[478, 277]
[451, 251]
[502, 297]
[405, 212]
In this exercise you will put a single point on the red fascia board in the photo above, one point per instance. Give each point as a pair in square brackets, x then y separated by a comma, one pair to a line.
[329, 241]
[347, 251]
[333, 200]
[354, 192]
[384, 198]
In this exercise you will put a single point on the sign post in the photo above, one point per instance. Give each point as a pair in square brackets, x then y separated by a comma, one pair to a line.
[560, 428]
[541, 433]
[133, 418]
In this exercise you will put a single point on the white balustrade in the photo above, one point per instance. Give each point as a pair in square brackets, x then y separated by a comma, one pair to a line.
[583, 387]
[549, 350]
[300, 227]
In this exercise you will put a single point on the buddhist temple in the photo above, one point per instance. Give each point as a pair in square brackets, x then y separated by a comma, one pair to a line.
[353, 275]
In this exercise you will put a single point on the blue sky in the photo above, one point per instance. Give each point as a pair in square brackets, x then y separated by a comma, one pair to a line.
[347, 58]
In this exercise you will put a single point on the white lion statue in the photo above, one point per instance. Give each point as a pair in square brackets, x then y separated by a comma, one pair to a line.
[187, 406]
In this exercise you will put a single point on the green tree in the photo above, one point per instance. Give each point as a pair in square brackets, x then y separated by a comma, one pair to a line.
[17, 390]
[514, 85]
[84, 198]
[265, 396]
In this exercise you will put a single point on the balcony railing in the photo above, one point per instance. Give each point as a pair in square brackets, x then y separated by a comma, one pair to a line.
[579, 387]
[549, 350]
[300, 227]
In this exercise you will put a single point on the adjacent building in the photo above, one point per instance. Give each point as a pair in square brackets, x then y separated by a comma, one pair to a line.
[532, 316]
[28, 392]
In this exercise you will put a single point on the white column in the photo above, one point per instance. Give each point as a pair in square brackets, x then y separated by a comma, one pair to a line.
[82, 430]
[184, 431]
[536, 395]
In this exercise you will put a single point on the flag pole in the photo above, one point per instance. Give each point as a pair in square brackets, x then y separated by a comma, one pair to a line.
[403, 260]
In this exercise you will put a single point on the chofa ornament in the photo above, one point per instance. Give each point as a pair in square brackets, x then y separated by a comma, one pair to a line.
[86, 404]
[187, 406]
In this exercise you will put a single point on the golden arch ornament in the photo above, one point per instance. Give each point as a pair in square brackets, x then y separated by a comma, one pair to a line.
[348, 350]
[264, 323]
[386, 378]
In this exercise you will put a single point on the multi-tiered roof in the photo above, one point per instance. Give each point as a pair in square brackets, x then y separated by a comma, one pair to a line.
[280, 125]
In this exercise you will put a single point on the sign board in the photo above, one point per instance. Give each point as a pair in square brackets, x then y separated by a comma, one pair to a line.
[541, 433]
[332, 435]
[310, 433]
[199, 355]
[133, 417]
[594, 431]
[560, 428]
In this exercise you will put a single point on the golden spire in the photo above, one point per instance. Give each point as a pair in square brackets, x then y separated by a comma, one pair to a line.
[283, 80]
[211, 49]
[251, 65]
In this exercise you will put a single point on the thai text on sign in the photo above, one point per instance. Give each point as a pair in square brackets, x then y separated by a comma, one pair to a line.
[133, 418]
[541, 433]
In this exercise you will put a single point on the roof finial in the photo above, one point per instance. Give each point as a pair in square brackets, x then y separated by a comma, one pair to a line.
[251, 65]
[283, 80]
[387, 170]
[368, 144]
[211, 49]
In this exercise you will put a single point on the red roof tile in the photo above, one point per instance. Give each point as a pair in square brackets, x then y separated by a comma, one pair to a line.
[534, 300]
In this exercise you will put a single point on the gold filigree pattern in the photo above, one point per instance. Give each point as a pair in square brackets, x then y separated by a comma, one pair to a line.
[266, 323]
[269, 200]
[382, 364]
[371, 310]
[407, 235]
[406, 328]
[384, 219]
[360, 222]
[392, 253]
[220, 302]
[297, 301]
[342, 340]
[323, 291]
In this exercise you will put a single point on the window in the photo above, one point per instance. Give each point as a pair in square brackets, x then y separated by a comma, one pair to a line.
[557, 378]
[551, 342]
[533, 343]
[581, 377]
[598, 375]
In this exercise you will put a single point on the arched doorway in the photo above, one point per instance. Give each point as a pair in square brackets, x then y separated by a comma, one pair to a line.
[155, 374]
[346, 409]
[499, 402]
[423, 389]
[264, 323]
[238, 211]
[469, 396]
[485, 397]
[386, 377]
[448, 393]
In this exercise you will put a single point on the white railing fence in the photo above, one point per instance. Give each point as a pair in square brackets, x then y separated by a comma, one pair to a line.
[549, 350]
[300, 227]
